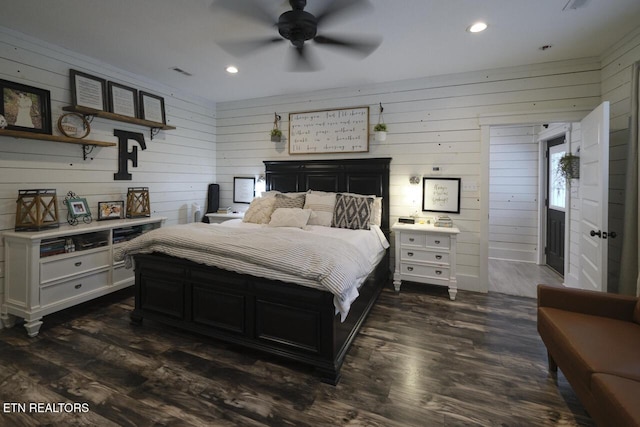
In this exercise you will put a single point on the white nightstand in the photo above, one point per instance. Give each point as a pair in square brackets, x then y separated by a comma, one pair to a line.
[426, 254]
[217, 218]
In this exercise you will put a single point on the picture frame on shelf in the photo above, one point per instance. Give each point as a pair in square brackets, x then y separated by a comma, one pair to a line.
[111, 210]
[123, 100]
[441, 195]
[243, 189]
[88, 91]
[25, 108]
[152, 108]
[78, 208]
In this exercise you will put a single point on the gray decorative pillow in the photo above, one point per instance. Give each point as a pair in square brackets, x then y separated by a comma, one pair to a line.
[284, 201]
[352, 212]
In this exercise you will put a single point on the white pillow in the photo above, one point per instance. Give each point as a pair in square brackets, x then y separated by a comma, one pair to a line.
[322, 205]
[260, 210]
[290, 217]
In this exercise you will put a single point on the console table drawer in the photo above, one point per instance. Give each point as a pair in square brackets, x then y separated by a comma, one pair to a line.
[79, 263]
[72, 288]
[441, 258]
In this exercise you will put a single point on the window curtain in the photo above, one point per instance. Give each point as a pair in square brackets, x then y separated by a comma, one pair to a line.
[629, 279]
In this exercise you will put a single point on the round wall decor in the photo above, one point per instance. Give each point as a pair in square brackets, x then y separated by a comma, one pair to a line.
[73, 125]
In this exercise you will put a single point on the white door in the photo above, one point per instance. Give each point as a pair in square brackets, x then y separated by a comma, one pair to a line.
[594, 188]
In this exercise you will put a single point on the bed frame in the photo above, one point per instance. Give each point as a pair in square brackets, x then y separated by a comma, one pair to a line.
[282, 319]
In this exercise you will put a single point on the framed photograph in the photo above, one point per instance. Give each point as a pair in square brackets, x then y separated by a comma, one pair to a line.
[88, 91]
[111, 210]
[152, 108]
[123, 100]
[243, 189]
[78, 208]
[441, 195]
[26, 108]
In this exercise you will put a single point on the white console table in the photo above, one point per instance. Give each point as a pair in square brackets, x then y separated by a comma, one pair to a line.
[47, 271]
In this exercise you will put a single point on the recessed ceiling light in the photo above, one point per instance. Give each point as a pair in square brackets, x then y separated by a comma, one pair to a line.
[231, 69]
[477, 27]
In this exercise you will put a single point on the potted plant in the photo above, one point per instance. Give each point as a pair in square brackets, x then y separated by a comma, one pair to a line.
[276, 135]
[569, 166]
[381, 131]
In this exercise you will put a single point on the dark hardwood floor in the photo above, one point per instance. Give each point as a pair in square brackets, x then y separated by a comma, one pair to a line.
[419, 360]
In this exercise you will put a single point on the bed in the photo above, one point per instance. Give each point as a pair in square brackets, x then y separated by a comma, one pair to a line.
[289, 320]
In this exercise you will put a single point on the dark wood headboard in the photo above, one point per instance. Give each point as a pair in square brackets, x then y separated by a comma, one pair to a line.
[362, 176]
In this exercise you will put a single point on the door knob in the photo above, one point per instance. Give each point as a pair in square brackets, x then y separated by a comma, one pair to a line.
[612, 235]
[595, 233]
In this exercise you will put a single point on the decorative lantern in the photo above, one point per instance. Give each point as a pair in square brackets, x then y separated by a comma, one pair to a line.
[138, 202]
[36, 210]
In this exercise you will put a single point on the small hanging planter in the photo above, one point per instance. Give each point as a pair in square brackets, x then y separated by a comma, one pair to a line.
[276, 133]
[380, 129]
[569, 166]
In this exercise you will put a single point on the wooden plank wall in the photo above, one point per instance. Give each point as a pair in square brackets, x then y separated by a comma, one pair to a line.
[177, 165]
[432, 122]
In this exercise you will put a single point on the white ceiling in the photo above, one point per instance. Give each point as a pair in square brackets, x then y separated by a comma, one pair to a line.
[419, 38]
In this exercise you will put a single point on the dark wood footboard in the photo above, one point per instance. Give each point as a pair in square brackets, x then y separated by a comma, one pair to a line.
[282, 319]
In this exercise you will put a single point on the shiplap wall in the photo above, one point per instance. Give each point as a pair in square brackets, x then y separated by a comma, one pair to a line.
[177, 165]
[616, 88]
[432, 122]
[513, 193]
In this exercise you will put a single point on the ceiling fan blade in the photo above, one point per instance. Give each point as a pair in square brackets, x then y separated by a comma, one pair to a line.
[361, 46]
[342, 8]
[245, 47]
[301, 60]
[247, 8]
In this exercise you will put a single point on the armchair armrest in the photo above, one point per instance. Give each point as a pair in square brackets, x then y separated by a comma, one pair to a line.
[587, 302]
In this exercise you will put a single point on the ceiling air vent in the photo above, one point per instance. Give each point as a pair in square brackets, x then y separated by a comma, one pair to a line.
[181, 71]
[575, 4]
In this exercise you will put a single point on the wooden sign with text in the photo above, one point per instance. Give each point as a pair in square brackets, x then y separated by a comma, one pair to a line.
[345, 130]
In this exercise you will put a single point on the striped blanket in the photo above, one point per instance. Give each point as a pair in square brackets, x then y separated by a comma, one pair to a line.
[288, 254]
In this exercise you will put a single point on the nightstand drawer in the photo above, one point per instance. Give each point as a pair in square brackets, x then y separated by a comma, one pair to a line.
[424, 256]
[72, 288]
[413, 239]
[425, 271]
[438, 241]
[72, 265]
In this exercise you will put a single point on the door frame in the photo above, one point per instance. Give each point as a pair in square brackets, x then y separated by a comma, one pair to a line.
[505, 119]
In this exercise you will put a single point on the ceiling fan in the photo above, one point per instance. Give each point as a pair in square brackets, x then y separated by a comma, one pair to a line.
[299, 27]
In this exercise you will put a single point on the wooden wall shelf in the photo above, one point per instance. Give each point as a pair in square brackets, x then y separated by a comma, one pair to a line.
[56, 138]
[117, 117]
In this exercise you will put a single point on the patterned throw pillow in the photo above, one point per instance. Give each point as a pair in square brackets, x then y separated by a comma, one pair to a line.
[352, 212]
[260, 210]
[284, 201]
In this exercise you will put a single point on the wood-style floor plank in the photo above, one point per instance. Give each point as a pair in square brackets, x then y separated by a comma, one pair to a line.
[420, 359]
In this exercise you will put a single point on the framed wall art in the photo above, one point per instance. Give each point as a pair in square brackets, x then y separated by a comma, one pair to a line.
[441, 195]
[243, 189]
[123, 100]
[88, 91]
[152, 108]
[344, 130]
[25, 108]
[110, 210]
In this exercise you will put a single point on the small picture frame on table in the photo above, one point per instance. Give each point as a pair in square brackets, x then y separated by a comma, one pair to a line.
[88, 91]
[110, 210]
[25, 108]
[152, 108]
[78, 208]
[441, 195]
[123, 100]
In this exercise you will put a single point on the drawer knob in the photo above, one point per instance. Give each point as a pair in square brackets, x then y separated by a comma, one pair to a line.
[409, 253]
[437, 242]
[78, 264]
[438, 272]
[411, 239]
[438, 256]
[409, 268]
[78, 286]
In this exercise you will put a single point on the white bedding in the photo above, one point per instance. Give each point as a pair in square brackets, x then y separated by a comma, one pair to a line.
[333, 259]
